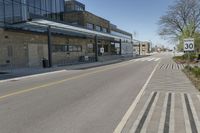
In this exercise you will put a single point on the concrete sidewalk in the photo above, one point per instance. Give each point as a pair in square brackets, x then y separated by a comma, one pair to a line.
[169, 104]
[15, 73]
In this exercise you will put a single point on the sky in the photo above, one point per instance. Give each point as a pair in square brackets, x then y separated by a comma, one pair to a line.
[135, 16]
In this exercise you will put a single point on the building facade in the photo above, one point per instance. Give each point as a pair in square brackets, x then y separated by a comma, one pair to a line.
[57, 30]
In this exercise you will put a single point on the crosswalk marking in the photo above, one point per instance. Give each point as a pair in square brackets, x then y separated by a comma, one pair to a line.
[167, 119]
[147, 59]
[144, 129]
[136, 123]
[172, 66]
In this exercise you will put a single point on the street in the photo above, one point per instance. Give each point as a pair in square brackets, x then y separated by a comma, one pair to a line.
[96, 100]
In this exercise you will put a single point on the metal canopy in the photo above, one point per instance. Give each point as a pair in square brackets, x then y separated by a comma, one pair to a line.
[72, 29]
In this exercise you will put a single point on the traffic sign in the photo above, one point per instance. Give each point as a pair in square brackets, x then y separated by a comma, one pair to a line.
[189, 44]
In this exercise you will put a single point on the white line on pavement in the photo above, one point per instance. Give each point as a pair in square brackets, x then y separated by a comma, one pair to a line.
[144, 129]
[127, 115]
[32, 76]
[151, 59]
[163, 115]
[157, 59]
[186, 117]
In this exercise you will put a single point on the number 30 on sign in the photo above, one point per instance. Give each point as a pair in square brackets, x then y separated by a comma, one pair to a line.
[189, 44]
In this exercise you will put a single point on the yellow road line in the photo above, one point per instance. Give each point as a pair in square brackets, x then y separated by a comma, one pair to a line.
[61, 81]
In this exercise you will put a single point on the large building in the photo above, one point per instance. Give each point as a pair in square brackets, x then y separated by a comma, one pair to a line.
[60, 31]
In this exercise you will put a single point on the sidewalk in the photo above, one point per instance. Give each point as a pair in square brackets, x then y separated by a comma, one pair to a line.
[170, 104]
[15, 73]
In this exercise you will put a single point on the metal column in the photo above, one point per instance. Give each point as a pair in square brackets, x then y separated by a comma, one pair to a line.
[120, 47]
[96, 48]
[49, 46]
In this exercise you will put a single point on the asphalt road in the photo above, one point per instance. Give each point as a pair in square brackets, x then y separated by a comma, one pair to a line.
[75, 101]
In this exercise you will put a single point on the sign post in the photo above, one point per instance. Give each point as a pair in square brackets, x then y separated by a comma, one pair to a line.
[188, 47]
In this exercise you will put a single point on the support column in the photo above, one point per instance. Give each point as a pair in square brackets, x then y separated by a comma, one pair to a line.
[139, 48]
[120, 47]
[96, 48]
[49, 46]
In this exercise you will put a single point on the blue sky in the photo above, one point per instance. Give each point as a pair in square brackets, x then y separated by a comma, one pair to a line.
[140, 16]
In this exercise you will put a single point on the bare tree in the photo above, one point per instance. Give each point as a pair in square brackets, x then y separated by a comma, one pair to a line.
[183, 16]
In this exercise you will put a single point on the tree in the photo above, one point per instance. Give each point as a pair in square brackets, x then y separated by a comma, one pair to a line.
[182, 17]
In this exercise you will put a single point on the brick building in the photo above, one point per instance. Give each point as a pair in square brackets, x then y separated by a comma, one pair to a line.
[57, 30]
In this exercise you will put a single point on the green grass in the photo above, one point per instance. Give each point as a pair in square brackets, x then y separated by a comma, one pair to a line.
[193, 73]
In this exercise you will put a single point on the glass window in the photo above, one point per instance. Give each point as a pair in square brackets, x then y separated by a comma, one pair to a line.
[90, 26]
[17, 10]
[104, 30]
[31, 4]
[38, 7]
[43, 8]
[60, 48]
[90, 48]
[98, 28]
[75, 48]
[1, 11]
[9, 11]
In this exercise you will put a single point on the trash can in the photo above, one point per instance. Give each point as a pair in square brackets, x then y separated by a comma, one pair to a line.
[45, 63]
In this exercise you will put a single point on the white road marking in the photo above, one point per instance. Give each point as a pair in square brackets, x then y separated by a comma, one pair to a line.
[163, 115]
[151, 59]
[157, 59]
[33, 76]
[127, 115]
[186, 117]
[144, 59]
[172, 121]
[137, 121]
[144, 129]
[194, 113]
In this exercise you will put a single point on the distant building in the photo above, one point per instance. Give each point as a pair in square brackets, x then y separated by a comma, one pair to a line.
[142, 48]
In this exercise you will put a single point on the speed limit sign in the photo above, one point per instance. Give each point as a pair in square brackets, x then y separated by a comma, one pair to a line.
[189, 44]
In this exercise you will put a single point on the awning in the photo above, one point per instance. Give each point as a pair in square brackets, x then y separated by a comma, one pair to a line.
[70, 28]
[40, 25]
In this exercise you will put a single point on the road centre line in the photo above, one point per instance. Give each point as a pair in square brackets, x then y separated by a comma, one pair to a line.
[127, 115]
[62, 81]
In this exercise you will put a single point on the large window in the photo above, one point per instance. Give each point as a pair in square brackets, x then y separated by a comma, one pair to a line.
[1, 11]
[20, 10]
[67, 48]
[98, 28]
[60, 48]
[75, 48]
[90, 26]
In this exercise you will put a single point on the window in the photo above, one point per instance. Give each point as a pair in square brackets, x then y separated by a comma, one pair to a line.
[1, 11]
[104, 30]
[17, 11]
[90, 48]
[98, 28]
[60, 48]
[90, 26]
[75, 48]
[9, 11]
